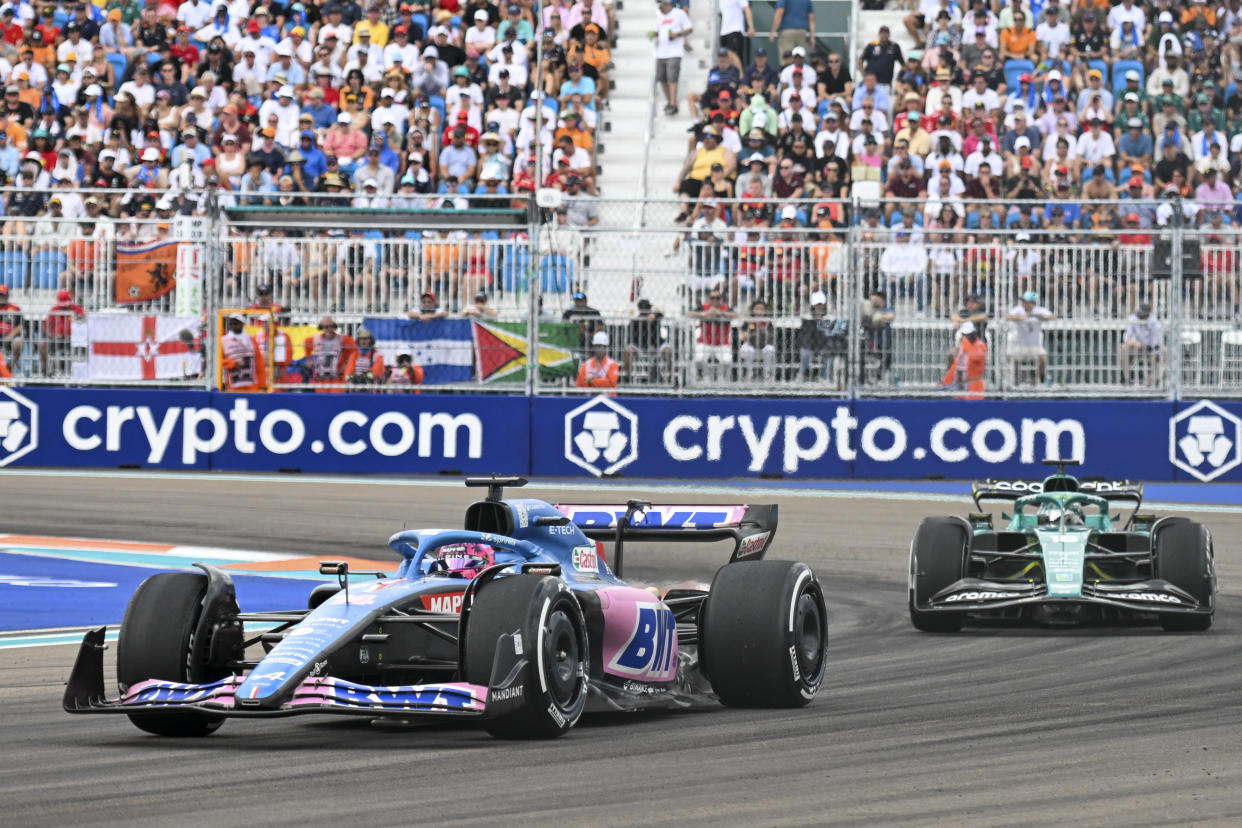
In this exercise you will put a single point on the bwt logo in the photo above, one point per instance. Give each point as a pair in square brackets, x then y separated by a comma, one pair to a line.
[19, 426]
[1205, 440]
[601, 436]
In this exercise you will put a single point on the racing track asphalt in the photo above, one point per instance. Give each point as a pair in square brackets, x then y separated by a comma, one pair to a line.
[989, 727]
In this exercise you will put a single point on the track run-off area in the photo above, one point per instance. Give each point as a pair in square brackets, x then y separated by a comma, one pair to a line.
[992, 726]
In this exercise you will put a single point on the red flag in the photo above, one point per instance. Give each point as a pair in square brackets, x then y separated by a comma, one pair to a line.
[145, 271]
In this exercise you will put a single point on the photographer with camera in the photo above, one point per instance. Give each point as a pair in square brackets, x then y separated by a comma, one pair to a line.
[406, 374]
[365, 365]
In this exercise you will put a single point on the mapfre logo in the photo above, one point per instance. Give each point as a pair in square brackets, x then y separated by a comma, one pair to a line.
[1205, 440]
[601, 436]
[19, 426]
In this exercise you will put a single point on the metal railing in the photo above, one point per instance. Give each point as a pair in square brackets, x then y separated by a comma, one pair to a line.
[767, 271]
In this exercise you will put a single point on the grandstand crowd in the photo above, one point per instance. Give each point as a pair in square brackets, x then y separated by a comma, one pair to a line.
[1082, 101]
[402, 104]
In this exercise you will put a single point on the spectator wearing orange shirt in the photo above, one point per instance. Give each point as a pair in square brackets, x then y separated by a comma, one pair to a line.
[601, 370]
[1018, 41]
[597, 54]
[243, 361]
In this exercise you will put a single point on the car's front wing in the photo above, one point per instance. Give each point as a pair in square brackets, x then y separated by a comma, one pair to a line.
[976, 595]
[84, 693]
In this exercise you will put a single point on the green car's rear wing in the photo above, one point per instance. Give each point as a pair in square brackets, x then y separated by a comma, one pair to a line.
[1119, 491]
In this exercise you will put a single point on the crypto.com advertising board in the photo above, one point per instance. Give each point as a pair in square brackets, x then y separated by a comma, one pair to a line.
[676, 438]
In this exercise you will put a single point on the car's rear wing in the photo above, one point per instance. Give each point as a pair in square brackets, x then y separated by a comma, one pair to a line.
[751, 528]
[1010, 490]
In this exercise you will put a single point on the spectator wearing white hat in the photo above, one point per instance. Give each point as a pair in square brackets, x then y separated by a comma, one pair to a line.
[601, 370]
[285, 65]
[286, 112]
[482, 34]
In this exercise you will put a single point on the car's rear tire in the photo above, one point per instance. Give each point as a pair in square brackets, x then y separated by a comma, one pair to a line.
[937, 559]
[552, 629]
[1183, 557]
[763, 638]
[156, 640]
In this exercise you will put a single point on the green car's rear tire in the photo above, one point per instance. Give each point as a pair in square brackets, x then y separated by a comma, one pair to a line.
[156, 639]
[1183, 557]
[937, 559]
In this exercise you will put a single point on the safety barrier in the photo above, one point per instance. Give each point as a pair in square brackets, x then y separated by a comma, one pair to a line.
[1092, 278]
[701, 437]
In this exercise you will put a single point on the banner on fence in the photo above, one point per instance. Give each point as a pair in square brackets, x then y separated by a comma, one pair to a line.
[441, 346]
[130, 347]
[681, 439]
[189, 298]
[501, 351]
[144, 271]
[351, 433]
[876, 439]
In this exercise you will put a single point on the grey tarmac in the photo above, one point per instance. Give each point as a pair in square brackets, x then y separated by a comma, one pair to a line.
[994, 726]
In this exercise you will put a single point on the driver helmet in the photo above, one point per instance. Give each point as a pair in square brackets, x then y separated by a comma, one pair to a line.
[463, 560]
[1074, 516]
[1050, 514]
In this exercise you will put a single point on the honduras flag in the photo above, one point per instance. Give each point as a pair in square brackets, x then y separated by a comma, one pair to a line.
[443, 347]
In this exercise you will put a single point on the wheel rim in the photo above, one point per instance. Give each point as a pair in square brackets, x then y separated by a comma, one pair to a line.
[808, 635]
[561, 656]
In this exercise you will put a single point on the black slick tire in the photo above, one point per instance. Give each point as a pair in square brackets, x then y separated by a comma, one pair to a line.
[763, 634]
[937, 559]
[541, 620]
[155, 643]
[1183, 557]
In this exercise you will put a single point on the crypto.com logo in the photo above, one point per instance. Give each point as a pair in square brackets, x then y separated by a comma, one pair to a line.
[1205, 440]
[19, 426]
[601, 436]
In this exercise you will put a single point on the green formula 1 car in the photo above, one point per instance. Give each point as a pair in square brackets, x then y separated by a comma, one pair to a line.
[1062, 557]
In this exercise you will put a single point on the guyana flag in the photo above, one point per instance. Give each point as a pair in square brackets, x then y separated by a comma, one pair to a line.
[500, 351]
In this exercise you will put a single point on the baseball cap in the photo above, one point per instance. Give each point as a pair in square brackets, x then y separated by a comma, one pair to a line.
[150, 154]
[1132, 75]
[819, 298]
[578, 295]
[789, 212]
[1030, 296]
[966, 328]
[600, 338]
[64, 296]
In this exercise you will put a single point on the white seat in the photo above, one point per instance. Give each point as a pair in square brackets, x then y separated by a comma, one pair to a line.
[867, 192]
[1231, 359]
[1192, 357]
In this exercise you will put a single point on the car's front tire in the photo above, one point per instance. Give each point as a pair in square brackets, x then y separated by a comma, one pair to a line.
[156, 642]
[541, 620]
[937, 559]
[1183, 557]
[764, 634]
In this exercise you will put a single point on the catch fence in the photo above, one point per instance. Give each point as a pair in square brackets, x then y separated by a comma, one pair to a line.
[806, 307]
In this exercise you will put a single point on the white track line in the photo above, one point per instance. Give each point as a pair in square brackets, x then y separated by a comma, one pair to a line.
[737, 488]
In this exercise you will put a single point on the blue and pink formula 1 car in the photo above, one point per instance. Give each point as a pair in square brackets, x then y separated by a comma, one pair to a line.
[517, 621]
